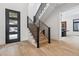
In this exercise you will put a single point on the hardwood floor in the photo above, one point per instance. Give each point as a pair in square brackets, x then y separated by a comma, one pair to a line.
[56, 48]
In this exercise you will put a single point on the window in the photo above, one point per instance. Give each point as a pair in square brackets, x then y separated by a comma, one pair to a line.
[76, 25]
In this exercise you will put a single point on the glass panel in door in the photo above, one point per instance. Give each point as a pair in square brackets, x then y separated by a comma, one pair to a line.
[13, 22]
[13, 29]
[13, 14]
[13, 36]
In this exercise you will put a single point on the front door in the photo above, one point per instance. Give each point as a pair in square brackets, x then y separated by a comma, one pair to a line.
[63, 28]
[12, 25]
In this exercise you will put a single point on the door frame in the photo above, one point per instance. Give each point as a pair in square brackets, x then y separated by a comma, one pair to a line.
[7, 26]
[65, 28]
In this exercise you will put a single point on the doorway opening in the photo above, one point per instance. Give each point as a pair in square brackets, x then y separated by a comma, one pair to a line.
[63, 28]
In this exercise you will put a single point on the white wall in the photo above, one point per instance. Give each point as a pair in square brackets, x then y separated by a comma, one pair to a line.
[32, 9]
[68, 12]
[18, 7]
[68, 16]
[53, 20]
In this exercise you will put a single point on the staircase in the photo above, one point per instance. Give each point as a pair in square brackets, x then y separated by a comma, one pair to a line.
[39, 32]
[42, 39]
[39, 35]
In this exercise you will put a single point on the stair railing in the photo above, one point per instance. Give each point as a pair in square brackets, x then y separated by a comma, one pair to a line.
[42, 26]
[39, 11]
[34, 30]
[36, 26]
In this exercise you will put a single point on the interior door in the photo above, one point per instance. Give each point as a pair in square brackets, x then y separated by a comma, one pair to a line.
[64, 28]
[12, 26]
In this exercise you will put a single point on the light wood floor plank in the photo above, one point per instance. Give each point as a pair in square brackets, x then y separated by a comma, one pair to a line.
[56, 48]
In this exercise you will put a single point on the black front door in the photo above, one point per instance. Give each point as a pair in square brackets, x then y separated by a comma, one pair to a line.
[12, 25]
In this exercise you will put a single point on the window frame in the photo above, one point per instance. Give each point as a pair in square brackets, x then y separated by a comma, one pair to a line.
[74, 21]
